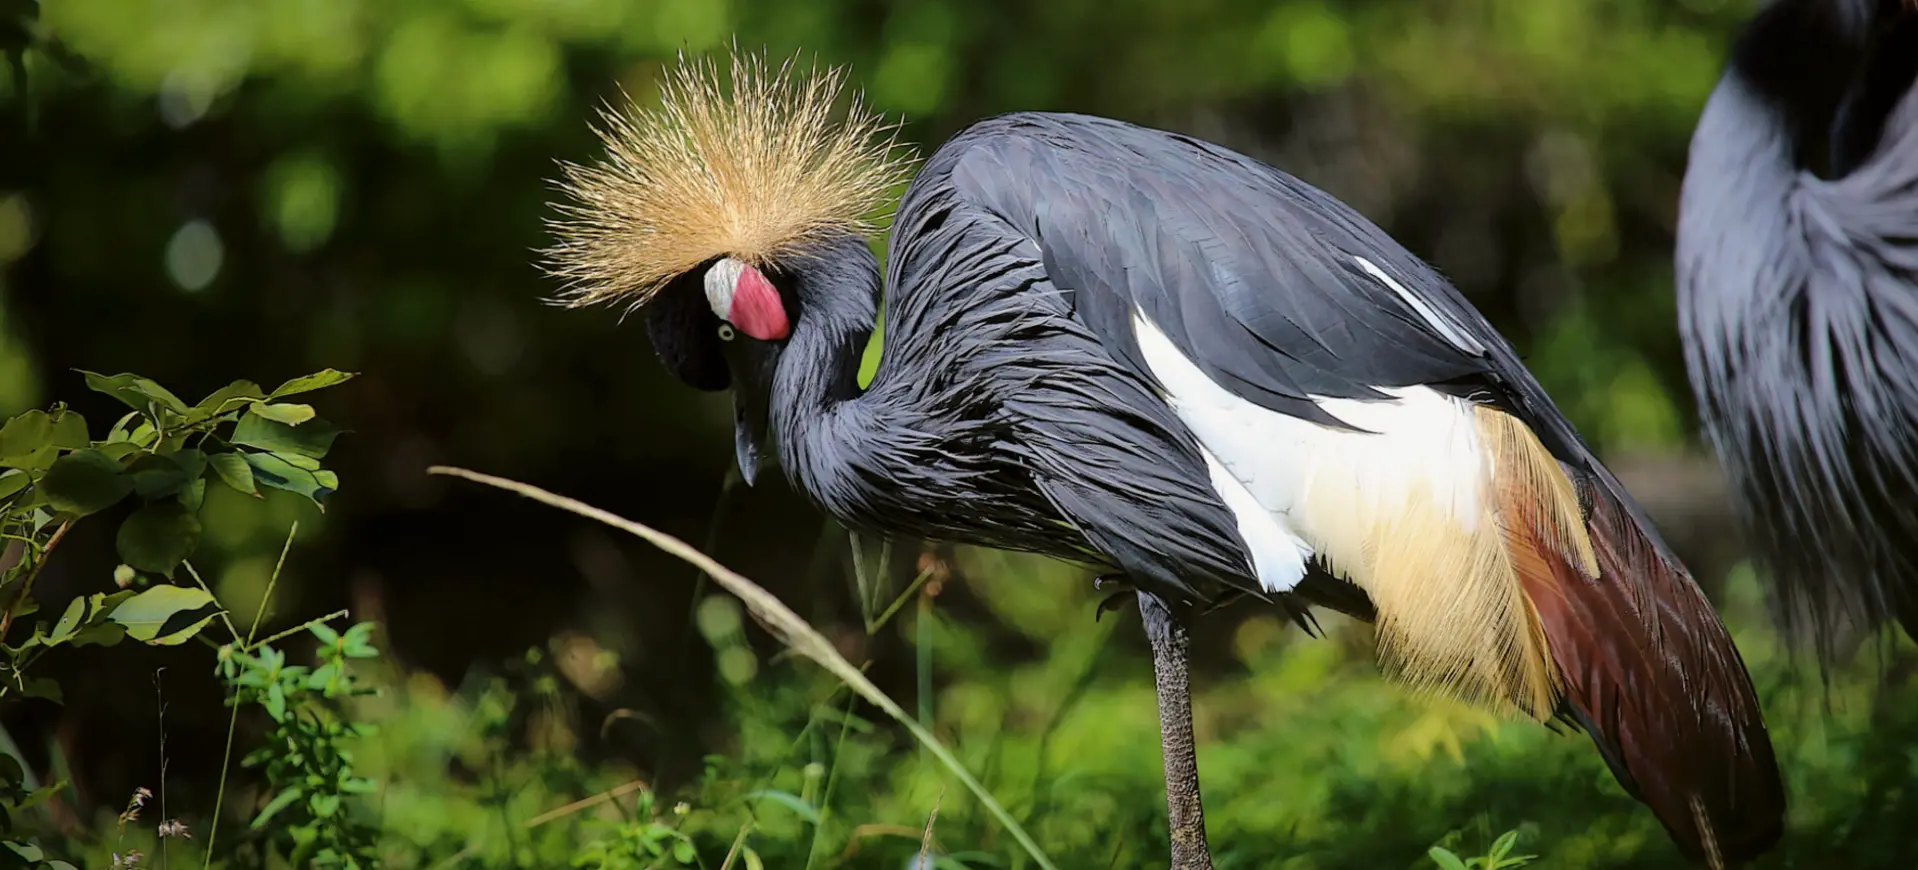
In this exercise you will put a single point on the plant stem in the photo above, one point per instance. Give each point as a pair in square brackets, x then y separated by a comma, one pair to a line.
[159, 705]
[784, 624]
[613, 793]
[299, 628]
[233, 719]
[6, 618]
[224, 616]
[271, 582]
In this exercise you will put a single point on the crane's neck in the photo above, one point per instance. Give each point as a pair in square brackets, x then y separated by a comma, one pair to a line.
[1768, 121]
[818, 422]
[1791, 72]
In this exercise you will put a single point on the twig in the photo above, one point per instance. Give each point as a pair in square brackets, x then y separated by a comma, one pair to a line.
[739, 842]
[299, 628]
[6, 618]
[463, 854]
[784, 624]
[233, 719]
[899, 602]
[224, 616]
[272, 581]
[618, 791]
[925, 843]
[159, 703]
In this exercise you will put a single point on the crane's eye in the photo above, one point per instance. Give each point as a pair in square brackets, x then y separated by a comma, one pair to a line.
[725, 332]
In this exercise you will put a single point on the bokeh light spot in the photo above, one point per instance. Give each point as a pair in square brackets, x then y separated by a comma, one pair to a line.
[303, 200]
[16, 227]
[194, 255]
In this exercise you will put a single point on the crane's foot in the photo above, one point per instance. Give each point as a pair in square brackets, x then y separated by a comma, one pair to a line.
[1185, 812]
[1122, 592]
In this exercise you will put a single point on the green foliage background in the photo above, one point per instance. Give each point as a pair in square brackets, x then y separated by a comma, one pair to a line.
[203, 189]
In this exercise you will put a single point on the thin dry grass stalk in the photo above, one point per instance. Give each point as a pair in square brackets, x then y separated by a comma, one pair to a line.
[784, 624]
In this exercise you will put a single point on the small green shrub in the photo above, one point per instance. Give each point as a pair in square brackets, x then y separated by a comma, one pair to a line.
[307, 758]
[160, 455]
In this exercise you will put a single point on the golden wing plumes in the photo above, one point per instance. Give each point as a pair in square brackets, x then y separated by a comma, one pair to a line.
[752, 170]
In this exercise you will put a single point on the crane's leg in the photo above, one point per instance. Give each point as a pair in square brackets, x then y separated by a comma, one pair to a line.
[1184, 811]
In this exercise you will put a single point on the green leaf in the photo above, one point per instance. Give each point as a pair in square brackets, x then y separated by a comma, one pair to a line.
[683, 852]
[273, 807]
[327, 636]
[27, 851]
[104, 634]
[94, 628]
[84, 482]
[275, 701]
[275, 471]
[13, 481]
[753, 861]
[191, 461]
[26, 433]
[316, 381]
[313, 438]
[193, 495]
[1503, 845]
[39, 796]
[70, 621]
[165, 615]
[290, 414]
[789, 801]
[232, 468]
[321, 677]
[357, 643]
[69, 431]
[1444, 858]
[137, 392]
[324, 805]
[224, 399]
[304, 463]
[34, 439]
[123, 429]
[156, 476]
[158, 537]
[38, 460]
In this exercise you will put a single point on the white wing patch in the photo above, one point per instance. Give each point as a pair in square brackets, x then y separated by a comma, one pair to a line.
[1278, 555]
[1314, 488]
[1445, 327]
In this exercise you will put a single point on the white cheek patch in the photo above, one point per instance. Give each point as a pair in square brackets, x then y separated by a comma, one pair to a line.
[721, 279]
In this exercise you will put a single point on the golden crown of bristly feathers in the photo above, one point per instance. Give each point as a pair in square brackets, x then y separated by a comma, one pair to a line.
[754, 171]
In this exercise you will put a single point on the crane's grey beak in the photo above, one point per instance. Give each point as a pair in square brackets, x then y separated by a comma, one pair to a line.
[752, 363]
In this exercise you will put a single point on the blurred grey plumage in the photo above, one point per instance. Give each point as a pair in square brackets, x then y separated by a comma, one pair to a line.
[1797, 272]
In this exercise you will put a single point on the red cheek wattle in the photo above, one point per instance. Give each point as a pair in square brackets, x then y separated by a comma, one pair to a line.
[757, 309]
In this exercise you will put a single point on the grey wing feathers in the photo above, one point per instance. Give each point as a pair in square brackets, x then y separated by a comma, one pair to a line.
[1011, 361]
[1251, 273]
[1275, 289]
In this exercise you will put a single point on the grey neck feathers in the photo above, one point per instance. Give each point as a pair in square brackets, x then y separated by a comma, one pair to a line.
[1768, 122]
[818, 420]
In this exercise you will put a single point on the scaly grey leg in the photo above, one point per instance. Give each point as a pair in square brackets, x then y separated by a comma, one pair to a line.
[1184, 810]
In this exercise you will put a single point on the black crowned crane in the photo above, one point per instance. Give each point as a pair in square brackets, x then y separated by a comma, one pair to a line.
[1154, 356]
[1797, 270]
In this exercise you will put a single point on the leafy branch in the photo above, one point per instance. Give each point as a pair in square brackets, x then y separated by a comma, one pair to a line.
[160, 454]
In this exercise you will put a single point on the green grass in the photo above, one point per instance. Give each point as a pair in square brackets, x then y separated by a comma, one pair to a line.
[1037, 748]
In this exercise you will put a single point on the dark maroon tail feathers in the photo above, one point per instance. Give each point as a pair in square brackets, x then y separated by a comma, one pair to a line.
[1652, 675]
